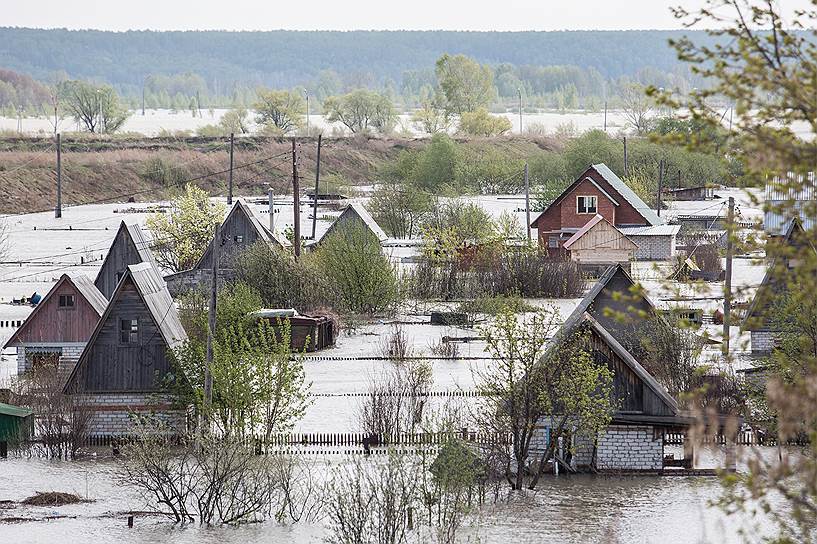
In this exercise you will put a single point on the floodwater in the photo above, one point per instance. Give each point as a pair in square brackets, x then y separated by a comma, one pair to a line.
[566, 509]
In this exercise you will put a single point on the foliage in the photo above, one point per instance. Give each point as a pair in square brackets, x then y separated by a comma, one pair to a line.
[399, 210]
[97, 107]
[638, 108]
[181, 236]
[235, 121]
[257, 385]
[163, 171]
[396, 399]
[280, 109]
[481, 123]
[465, 85]
[431, 118]
[361, 111]
[352, 261]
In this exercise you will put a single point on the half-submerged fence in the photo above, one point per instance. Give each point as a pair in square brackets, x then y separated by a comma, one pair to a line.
[743, 438]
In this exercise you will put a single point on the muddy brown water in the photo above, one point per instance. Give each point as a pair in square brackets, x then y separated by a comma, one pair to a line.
[584, 508]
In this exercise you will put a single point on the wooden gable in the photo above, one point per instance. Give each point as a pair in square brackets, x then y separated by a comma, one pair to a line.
[599, 234]
[67, 314]
[118, 358]
[129, 247]
[356, 214]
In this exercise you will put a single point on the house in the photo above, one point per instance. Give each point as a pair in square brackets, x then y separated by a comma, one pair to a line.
[306, 333]
[239, 231]
[58, 328]
[774, 286]
[355, 213]
[129, 247]
[634, 440]
[600, 243]
[699, 192]
[797, 195]
[598, 191]
[122, 366]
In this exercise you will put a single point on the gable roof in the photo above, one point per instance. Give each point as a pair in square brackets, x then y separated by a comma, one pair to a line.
[133, 232]
[153, 291]
[264, 234]
[84, 286]
[589, 226]
[618, 186]
[356, 210]
[11, 410]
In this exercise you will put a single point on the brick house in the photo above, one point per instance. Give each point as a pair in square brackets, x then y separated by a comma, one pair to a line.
[634, 440]
[121, 368]
[598, 191]
[58, 328]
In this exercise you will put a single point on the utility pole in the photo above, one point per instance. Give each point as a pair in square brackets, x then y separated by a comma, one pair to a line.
[271, 210]
[307, 113]
[296, 203]
[58, 209]
[527, 203]
[317, 185]
[208, 372]
[625, 156]
[660, 186]
[679, 179]
[519, 90]
[230, 181]
[605, 116]
[143, 98]
[727, 284]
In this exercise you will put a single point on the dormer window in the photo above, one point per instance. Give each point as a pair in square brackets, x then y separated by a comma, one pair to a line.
[586, 204]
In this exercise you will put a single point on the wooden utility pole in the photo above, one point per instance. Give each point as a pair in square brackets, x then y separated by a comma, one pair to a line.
[527, 203]
[660, 186]
[519, 90]
[230, 180]
[727, 284]
[625, 156]
[271, 210]
[58, 209]
[679, 179]
[208, 372]
[296, 203]
[317, 186]
[605, 116]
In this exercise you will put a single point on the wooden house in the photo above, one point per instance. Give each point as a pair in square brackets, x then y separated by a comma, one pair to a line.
[634, 440]
[129, 247]
[58, 328]
[600, 243]
[355, 213]
[780, 272]
[306, 333]
[699, 192]
[126, 358]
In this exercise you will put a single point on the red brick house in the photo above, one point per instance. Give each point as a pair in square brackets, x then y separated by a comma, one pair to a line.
[596, 191]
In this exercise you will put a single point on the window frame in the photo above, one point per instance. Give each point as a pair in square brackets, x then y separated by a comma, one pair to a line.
[595, 204]
[66, 298]
[130, 330]
[553, 241]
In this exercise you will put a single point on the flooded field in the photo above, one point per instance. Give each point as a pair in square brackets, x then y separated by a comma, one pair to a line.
[574, 509]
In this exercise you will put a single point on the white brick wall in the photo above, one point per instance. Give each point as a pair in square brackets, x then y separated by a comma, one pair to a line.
[762, 341]
[112, 411]
[654, 248]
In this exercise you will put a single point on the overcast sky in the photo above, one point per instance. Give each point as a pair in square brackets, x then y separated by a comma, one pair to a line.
[346, 15]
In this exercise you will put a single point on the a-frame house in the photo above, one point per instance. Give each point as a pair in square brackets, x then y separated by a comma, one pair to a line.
[355, 213]
[126, 359]
[58, 328]
[634, 441]
[129, 247]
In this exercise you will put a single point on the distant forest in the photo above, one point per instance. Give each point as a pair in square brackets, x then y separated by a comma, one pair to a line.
[570, 69]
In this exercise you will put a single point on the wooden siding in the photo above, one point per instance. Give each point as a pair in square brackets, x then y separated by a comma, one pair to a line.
[114, 366]
[123, 252]
[629, 390]
[236, 225]
[616, 300]
[52, 324]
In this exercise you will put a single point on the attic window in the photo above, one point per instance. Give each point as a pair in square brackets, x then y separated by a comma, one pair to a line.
[129, 331]
[239, 238]
[67, 302]
[586, 204]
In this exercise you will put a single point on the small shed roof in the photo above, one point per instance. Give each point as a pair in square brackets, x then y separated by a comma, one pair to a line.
[658, 230]
[622, 239]
[14, 411]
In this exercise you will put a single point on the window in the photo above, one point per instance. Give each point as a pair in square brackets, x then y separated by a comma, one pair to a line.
[239, 238]
[586, 204]
[67, 302]
[553, 242]
[129, 331]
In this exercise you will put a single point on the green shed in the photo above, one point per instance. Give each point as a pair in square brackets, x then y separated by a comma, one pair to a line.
[15, 424]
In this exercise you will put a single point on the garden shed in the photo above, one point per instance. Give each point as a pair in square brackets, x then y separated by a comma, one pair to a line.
[15, 424]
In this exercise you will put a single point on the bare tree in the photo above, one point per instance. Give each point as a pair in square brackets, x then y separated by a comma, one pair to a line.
[397, 399]
[638, 108]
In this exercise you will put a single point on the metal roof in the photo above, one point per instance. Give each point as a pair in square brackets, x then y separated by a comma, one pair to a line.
[629, 195]
[14, 411]
[658, 230]
[142, 245]
[157, 298]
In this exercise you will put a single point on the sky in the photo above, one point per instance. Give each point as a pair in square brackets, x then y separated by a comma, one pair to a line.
[503, 15]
